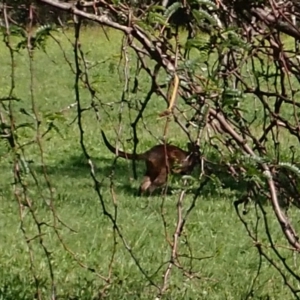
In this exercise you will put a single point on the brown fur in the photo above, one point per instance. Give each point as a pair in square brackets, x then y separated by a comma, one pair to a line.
[160, 161]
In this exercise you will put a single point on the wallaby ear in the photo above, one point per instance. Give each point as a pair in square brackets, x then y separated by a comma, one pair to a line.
[192, 147]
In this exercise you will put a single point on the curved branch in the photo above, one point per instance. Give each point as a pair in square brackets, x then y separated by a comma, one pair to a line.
[103, 20]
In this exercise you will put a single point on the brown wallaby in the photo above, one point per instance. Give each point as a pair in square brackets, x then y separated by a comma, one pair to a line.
[160, 161]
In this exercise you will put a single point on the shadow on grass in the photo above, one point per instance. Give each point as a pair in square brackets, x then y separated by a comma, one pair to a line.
[14, 288]
[77, 167]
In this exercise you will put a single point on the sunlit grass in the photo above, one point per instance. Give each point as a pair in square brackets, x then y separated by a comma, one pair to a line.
[224, 258]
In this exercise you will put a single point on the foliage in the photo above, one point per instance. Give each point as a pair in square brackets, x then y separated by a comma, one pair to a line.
[226, 75]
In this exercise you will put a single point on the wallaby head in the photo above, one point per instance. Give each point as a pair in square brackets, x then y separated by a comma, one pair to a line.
[160, 161]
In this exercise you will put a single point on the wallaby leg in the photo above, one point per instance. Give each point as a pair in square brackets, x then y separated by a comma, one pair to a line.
[161, 179]
[146, 183]
[152, 188]
[154, 177]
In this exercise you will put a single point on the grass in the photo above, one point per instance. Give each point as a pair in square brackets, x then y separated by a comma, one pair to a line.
[224, 258]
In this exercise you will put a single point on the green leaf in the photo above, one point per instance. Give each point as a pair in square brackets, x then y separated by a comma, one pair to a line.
[154, 17]
[172, 9]
[209, 4]
[201, 15]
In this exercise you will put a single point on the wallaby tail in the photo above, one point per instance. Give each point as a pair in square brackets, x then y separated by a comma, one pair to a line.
[120, 153]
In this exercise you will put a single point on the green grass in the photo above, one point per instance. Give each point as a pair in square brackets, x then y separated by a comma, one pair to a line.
[213, 230]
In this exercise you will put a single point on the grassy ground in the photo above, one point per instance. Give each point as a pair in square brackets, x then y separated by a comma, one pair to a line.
[224, 259]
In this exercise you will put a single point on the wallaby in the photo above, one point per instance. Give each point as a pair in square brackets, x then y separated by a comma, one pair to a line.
[160, 161]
